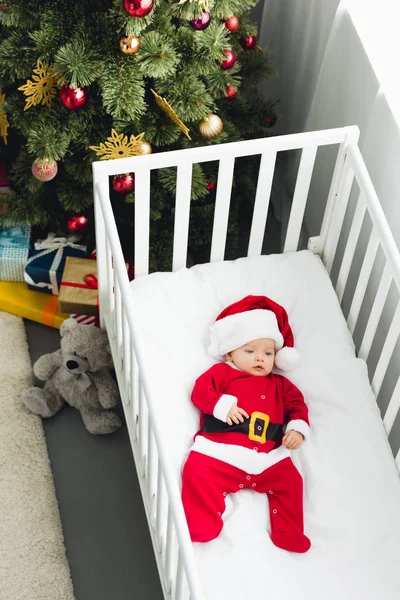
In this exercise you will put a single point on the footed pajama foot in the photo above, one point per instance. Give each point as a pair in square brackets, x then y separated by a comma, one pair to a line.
[293, 543]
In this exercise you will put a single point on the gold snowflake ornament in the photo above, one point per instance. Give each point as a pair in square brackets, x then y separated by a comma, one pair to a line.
[169, 111]
[3, 118]
[118, 146]
[43, 88]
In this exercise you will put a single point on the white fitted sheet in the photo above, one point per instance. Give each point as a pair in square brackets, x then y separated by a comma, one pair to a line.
[352, 489]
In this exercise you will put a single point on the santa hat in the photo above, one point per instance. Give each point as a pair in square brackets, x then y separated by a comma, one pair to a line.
[252, 318]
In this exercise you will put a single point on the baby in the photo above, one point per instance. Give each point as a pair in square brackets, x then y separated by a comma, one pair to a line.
[244, 408]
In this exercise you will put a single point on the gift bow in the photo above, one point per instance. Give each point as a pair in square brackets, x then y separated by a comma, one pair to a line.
[55, 243]
[48, 246]
[92, 281]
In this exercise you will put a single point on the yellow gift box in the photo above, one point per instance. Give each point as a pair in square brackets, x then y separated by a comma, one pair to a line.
[18, 299]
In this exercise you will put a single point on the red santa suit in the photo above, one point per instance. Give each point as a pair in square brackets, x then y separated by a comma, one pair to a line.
[225, 459]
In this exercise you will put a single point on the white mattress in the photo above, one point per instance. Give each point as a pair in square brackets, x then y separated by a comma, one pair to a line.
[352, 490]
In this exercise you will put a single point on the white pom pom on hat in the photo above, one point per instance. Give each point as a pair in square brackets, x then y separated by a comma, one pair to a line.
[252, 318]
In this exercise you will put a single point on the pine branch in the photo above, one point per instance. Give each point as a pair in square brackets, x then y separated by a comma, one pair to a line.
[77, 64]
[189, 97]
[218, 80]
[122, 89]
[223, 9]
[48, 142]
[167, 178]
[17, 57]
[157, 57]
[211, 42]
[72, 196]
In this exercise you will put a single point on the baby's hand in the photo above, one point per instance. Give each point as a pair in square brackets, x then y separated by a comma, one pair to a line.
[235, 415]
[292, 440]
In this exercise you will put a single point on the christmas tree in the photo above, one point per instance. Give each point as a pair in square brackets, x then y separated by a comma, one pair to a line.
[83, 80]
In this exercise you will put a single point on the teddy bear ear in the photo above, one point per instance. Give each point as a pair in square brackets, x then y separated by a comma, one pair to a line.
[68, 325]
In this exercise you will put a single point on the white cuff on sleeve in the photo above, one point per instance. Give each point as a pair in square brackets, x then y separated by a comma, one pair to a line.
[223, 406]
[300, 426]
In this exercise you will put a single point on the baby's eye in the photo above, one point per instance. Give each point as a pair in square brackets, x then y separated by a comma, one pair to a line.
[268, 353]
[249, 351]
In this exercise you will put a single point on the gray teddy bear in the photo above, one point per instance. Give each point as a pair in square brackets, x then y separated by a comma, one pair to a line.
[79, 374]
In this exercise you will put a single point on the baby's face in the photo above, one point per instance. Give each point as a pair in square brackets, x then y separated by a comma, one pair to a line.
[256, 357]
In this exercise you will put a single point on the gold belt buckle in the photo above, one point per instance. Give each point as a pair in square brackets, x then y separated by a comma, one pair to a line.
[258, 432]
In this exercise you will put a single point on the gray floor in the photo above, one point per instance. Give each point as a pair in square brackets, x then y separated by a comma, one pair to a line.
[105, 528]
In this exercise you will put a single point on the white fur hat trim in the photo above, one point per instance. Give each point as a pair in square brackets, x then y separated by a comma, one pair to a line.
[234, 331]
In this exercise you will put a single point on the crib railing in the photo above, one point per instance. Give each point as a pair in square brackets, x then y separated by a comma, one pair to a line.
[160, 489]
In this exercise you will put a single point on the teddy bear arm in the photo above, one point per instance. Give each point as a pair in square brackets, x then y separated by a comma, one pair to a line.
[107, 389]
[46, 365]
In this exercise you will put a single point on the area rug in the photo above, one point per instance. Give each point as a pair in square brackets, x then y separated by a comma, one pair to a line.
[33, 562]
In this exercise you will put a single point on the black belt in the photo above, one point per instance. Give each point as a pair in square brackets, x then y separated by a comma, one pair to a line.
[258, 427]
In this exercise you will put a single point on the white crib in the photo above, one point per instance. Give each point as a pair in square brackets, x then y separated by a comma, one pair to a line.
[161, 495]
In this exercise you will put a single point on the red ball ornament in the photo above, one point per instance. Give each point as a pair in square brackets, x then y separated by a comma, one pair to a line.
[250, 41]
[229, 61]
[73, 99]
[210, 186]
[271, 119]
[124, 184]
[230, 92]
[44, 170]
[202, 22]
[138, 8]
[78, 224]
[232, 23]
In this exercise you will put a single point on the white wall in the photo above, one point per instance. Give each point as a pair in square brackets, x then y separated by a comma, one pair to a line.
[338, 66]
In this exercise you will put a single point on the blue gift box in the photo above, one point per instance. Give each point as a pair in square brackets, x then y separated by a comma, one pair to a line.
[45, 266]
[14, 251]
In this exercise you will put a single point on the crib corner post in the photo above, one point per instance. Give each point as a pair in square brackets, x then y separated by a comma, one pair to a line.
[100, 181]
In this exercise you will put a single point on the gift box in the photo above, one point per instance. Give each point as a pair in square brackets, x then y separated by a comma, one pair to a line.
[14, 250]
[45, 266]
[17, 299]
[78, 290]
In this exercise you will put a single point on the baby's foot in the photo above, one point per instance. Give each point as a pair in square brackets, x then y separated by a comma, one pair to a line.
[291, 542]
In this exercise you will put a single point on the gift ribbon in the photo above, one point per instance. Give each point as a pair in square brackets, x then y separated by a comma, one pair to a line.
[91, 283]
[48, 246]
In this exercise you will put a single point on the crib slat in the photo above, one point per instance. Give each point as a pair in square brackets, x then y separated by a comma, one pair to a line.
[110, 279]
[338, 215]
[398, 460]
[159, 506]
[392, 409]
[118, 318]
[362, 282]
[376, 312]
[168, 552]
[261, 204]
[142, 221]
[387, 351]
[179, 579]
[134, 392]
[350, 247]
[182, 211]
[127, 363]
[221, 212]
[142, 426]
[300, 198]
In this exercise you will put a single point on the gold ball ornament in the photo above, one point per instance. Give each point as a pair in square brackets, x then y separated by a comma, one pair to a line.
[211, 126]
[129, 44]
[145, 148]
